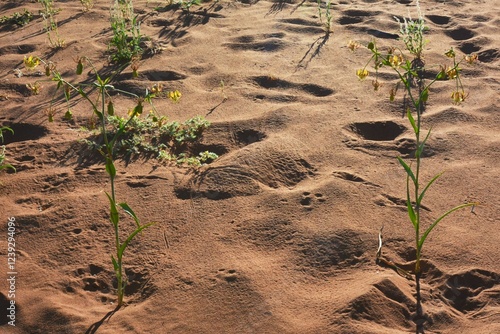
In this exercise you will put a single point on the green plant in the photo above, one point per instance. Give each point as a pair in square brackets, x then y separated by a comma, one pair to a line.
[155, 135]
[20, 19]
[412, 32]
[87, 5]
[123, 8]
[125, 44]
[2, 154]
[327, 21]
[408, 72]
[187, 4]
[102, 110]
[48, 13]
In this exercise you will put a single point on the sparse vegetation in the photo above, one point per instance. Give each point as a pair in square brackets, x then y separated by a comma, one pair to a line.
[125, 45]
[127, 135]
[48, 13]
[409, 70]
[87, 5]
[325, 15]
[20, 19]
[155, 136]
[4, 165]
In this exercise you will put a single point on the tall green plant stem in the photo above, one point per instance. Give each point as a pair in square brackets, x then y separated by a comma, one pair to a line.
[417, 102]
[103, 87]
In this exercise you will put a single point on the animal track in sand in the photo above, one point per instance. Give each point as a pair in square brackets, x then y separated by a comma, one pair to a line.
[18, 49]
[326, 254]
[301, 26]
[308, 199]
[269, 233]
[270, 82]
[228, 275]
[460, 34]
[382, 136]
[271, 42]
[19, 88]
[146, 78]
[439, 19]
[471, 290]
[353, 16]
[23, 132]
[353, 178]
[489, 55]
[377, 130]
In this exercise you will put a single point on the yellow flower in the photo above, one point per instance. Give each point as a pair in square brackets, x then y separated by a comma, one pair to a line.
[157, 88]
[174, 95]
[34, 88]
[450, 53]
[452, 73]
[471, 58]
[31, 62]
[395, 60]
[458, 97]
[362, 73]
[392, 93]
[352, 45]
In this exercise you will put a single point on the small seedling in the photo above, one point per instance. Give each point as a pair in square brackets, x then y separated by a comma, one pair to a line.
[87, 5]
[326, 17]
[48, 13]
[125, 45]
[187, 4]
[2, 153]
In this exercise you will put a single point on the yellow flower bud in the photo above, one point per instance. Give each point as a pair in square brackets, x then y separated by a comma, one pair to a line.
[362, 73]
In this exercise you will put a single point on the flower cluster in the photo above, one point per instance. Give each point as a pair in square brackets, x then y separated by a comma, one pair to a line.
[407, 69]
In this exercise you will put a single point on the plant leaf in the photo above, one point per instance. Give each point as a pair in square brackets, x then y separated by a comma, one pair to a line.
[115, 264]
[412, 121]
[407, 169]
[420, 148]
[430, 228]
[110, 168]
[113, 212]
[421, 196]
[130, 212]
[123, 246]
[411, 211]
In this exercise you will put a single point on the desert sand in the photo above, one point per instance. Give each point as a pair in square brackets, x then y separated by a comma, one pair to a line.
[280, 233]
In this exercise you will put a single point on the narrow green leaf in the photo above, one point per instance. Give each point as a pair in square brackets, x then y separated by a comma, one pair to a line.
[430, 228]
[123, 246]
[421, 196]
[110, 168]
[409, 207]
[420, 148]
[138, 109]
[425, 95]
[7, 166]
[115, 264]
[130, 212]
[111, 108]
[113, 212]
[412, 121]
[99, 114]
[407, 169]
[79, 67]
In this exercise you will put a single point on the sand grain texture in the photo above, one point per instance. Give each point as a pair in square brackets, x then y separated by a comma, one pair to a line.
[279, 234]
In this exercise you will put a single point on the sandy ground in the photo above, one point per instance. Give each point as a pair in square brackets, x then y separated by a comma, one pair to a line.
[279, 234]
